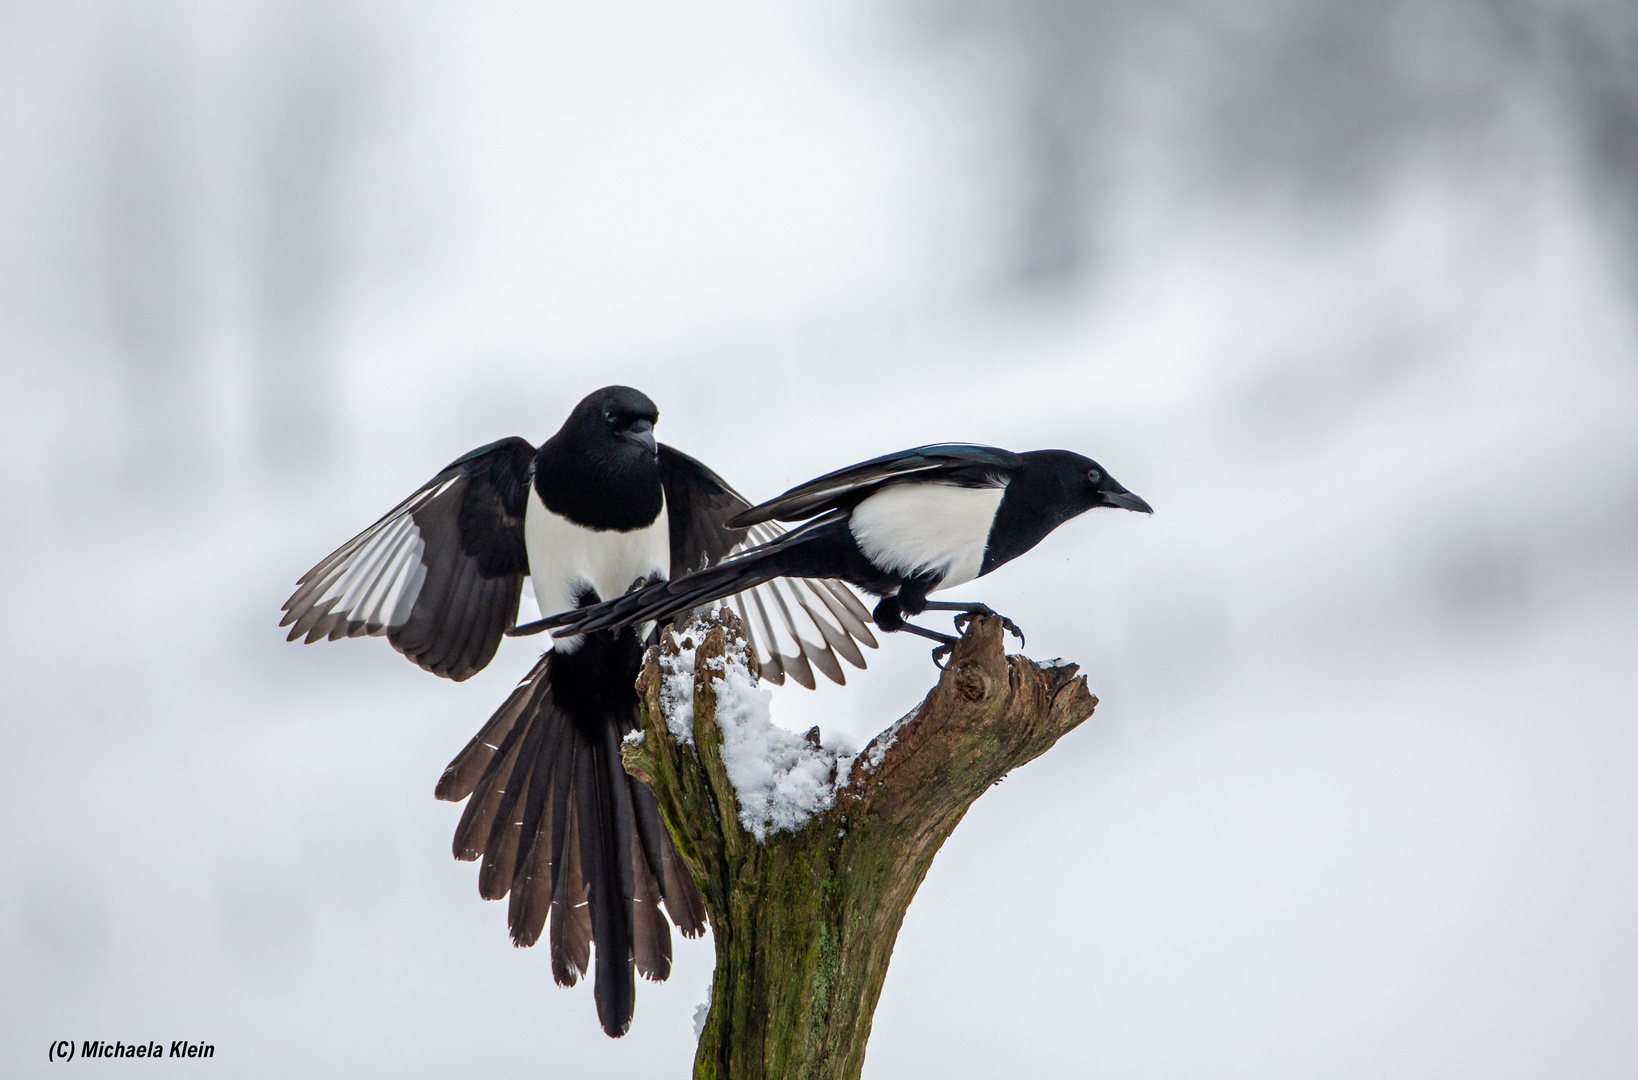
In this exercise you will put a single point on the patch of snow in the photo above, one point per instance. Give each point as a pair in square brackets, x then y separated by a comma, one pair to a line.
[633, 738]
[677, 686]
[701, 1011]
[844, 770]
[877, 753]
[781, 779]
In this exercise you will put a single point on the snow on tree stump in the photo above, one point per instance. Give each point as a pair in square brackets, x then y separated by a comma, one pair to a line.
[807, 874]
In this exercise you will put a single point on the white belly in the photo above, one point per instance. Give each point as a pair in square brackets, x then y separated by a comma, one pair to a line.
[912, 529]
[566, 559]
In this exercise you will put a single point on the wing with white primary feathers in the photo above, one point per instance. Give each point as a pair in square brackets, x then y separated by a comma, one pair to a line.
[772, 612]
[780, 617]
[439, 575]
[967, 464]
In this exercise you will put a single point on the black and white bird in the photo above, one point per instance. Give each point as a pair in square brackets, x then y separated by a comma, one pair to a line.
[599, 508]
[899, 527]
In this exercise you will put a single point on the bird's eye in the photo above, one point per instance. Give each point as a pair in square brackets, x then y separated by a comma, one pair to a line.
[1094, 476]
[612, 419]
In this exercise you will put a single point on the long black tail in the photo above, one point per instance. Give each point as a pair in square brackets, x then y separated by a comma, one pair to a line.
[564, 830]
[793, 554]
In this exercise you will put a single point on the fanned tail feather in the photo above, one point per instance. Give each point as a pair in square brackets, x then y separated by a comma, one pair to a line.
[575, 842]
[605, 844]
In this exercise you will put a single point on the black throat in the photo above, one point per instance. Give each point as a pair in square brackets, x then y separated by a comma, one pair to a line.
[599, 483]
[1041, 497]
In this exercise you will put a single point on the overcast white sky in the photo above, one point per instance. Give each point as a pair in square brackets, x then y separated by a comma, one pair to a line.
[1345, 291]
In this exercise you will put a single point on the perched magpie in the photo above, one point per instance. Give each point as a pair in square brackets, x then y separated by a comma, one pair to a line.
[898, 526]
[600, 508]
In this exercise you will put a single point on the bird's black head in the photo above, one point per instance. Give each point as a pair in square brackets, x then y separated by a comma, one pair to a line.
[617, 418]
[1075, 484]
[602, 469]
[1049, 488]
[1101, 489]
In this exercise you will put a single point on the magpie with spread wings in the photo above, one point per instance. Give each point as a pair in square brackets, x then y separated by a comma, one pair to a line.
[898, 526]
[598, 509]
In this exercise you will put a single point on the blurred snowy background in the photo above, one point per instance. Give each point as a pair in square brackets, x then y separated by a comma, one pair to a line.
[1345, 288]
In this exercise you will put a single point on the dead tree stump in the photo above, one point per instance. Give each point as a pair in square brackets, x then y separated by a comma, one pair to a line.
[804, 922]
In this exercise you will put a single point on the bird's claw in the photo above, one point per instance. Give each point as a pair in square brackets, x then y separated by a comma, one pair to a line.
[941, 653]
[964, 620]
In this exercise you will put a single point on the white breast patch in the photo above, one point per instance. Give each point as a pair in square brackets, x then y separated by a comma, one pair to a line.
[911, 529]
[565, 559]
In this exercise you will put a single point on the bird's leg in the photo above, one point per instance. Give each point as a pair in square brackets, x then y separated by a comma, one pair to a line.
[945, 641]
[969, 612]
[889, 617]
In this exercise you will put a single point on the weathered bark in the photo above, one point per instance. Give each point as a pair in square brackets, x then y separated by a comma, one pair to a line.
[804, 923]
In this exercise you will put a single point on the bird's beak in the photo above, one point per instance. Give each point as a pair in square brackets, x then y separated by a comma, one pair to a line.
[1125, 500]
[643, 432]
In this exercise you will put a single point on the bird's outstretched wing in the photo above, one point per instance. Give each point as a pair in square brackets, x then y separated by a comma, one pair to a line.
[782, 616]
[439, 575]
[846, 487]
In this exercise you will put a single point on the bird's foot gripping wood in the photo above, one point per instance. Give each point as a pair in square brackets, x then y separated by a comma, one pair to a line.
[969, 612]
[804, 922]
[965, 620]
